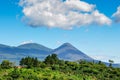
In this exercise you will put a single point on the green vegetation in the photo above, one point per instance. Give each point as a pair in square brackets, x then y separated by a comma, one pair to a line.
[29, 62]
[6, 64]
[54, 69]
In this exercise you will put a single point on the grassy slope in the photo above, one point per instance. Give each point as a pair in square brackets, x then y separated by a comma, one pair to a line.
[41, 74]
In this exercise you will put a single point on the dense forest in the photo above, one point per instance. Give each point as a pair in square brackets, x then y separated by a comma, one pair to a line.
[52, 68]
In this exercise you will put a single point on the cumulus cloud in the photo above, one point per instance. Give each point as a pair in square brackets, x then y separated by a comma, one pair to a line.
[79, 5]
[26, 42]
[59, 43]
[61, 14]
[116, 15]
[106, 58]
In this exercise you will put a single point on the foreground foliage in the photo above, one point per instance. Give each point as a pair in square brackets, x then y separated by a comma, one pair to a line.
[54, 69]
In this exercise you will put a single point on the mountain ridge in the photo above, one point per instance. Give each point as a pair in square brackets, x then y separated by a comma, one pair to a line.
[66, 52]
[34, 46]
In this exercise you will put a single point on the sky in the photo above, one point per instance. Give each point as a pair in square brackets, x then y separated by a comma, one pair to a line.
[92, 26]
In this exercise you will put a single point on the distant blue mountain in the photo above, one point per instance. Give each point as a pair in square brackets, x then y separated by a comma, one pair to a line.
[16, 53]
[69, 52]
[4, 46]
[34, 46]
[65, 52]
[26, 49]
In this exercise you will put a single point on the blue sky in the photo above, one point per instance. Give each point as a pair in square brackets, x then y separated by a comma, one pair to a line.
[98, 39]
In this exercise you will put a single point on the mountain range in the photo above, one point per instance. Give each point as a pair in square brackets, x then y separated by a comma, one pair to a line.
[64, 52]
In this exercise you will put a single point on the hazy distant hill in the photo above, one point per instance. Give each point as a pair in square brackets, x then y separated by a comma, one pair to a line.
[34, 46]
[69, 52]
[16, 53]
[65, 52]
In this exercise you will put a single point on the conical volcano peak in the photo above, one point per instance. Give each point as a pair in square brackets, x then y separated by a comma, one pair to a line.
[67, 44]
[68, 52]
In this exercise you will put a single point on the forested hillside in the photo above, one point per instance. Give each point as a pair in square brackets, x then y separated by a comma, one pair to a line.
[52, 68]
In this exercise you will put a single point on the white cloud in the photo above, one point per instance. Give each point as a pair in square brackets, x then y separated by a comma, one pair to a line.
[106, 58]
[116, 15]
[59, 14]
[79, 5]
[26, 42]
[59, 43]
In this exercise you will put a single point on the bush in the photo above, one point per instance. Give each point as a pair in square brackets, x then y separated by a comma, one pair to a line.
[6, 64]
[15, 73]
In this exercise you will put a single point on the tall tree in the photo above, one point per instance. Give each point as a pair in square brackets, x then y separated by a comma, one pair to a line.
[29, 62]
[111, 62]
[51, 59]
